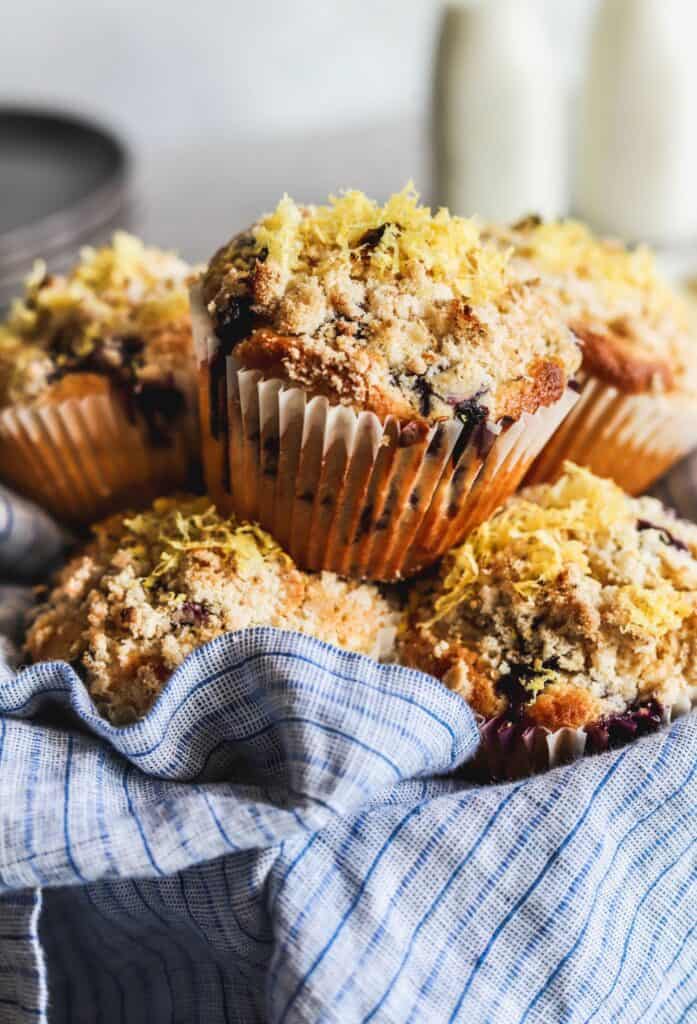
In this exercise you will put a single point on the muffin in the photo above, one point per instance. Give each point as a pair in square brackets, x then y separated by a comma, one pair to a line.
[151, 587]
[97, 382]
[637, 412]
[373, 381]
[568, 621]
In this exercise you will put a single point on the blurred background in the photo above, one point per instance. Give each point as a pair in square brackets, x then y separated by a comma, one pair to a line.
[224, 105]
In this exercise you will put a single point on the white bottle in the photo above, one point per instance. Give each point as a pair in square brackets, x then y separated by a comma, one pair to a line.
[637, 155]
[500, 138]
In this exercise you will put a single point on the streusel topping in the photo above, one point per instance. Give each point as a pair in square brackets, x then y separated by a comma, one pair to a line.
[573, 603]
[122, 313]
[151, 587]
[634, 326]
[389, 308]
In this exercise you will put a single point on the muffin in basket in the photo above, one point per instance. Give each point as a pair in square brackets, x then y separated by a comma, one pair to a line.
[151, 587]
[97, 382]
[637, 412]
[373, 382]
[568, 621]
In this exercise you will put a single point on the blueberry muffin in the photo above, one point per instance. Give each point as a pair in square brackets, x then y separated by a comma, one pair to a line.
[374, 381]
[573, 608]
[637, 413]
[97, 382]
[151, 587]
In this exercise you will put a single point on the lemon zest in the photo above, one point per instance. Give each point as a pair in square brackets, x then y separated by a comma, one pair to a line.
[355, 232]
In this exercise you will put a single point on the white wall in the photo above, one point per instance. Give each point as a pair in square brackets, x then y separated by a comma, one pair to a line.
[255, 68]
[227, 103]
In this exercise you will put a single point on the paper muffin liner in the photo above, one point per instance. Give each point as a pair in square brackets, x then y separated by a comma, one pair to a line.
[343, 490]
[632, 439]
[83, 458]
[513, 750]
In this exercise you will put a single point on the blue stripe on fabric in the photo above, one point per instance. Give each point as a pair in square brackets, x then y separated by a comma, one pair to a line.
[445, 888]
[670, 911]
[352, 906]
[417, 864]
[560, 966]
[628, 936]
[687, 1010]
[297, 720]
[66, 812]
[491, 883]
[666, 748]
[667, 971]
[288, 871]
[218, 824]
[536, 881]
[139, 824]
[41, 692]
[292, 656]
[34, 759]
[99, 807]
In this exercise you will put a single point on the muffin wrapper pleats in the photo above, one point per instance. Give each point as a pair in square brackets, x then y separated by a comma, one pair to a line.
[509, 750]
[342, 490]
[633, 439]
[83, 458]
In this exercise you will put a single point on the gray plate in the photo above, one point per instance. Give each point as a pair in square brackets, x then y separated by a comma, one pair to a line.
[63, 182]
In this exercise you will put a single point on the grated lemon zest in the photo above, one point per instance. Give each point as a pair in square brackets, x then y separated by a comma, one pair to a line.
[164, 534]
[122, 286]
[316, 239]
[536, 539]
[570, 247]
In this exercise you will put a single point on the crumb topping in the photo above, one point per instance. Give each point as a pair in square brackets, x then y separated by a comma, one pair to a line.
[389, 308]
[151, 587]
[635, 328]
[121, 313]
[573, 603]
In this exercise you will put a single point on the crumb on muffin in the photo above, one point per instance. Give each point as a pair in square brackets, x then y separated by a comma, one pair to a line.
[573, 604]
[118, 319]
[634, 328]
[390, 309]
[151, 587]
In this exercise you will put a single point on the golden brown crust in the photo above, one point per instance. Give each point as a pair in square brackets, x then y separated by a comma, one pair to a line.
[354, 383]
[615, 358]
[278, 355]
[563, 706]
[545, 385]
[457, 665]
[634, 327]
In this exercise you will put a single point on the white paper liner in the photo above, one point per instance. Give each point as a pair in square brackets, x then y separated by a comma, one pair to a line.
[633, 439]
[344, 491]
[526, 751]
[83, 458]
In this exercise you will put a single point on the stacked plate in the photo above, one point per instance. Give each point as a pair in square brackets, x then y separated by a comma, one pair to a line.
[64, 183]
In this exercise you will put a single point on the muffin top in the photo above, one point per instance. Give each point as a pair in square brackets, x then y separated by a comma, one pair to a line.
[119, 319]
[573, 604]
[151, 587]
[634, 328]
[391, 309]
